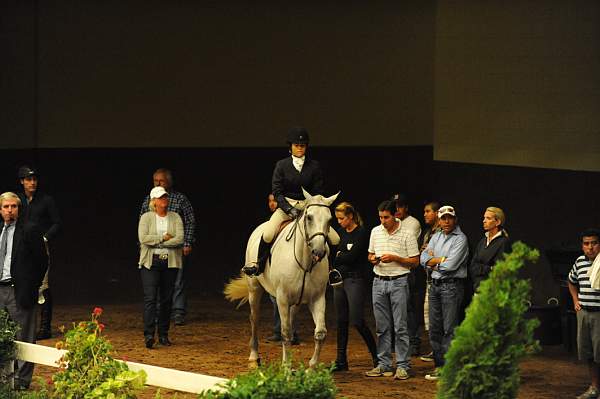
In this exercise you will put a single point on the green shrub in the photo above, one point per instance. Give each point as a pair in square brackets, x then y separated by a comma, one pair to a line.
[8, 334]
[88, 370]
[278, 381]
[483, 359]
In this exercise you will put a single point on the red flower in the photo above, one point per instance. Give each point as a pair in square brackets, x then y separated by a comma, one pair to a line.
[101, 327]
[49, 381]
[97, 311]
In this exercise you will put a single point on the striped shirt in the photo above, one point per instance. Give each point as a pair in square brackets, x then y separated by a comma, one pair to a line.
[589, 298]
[401, 242]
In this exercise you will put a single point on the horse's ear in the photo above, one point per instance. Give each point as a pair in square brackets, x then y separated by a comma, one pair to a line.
[330, 200]
[306, 194]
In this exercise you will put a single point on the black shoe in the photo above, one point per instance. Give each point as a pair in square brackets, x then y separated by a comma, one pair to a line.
[164, 341]
[340, 366]
[149, 341]
[179, 320]
[295, 340]
[250, 269]
[43, 334]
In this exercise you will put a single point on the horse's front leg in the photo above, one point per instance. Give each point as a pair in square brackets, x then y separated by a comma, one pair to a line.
[287, 314]
[317, 309]
[254, 297]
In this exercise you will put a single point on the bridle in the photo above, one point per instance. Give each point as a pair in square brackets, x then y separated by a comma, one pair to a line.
[308, 239]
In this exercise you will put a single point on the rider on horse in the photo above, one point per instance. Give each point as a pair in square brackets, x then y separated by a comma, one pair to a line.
[291, 174]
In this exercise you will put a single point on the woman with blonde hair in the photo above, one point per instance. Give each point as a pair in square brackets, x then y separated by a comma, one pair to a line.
[491, 247]
[350, 262]
[160, 233]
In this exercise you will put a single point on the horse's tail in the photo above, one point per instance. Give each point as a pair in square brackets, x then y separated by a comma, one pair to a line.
[237, 289]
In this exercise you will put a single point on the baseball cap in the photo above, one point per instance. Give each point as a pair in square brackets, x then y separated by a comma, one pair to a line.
[446, 210]
[158, 192]
[26, 171]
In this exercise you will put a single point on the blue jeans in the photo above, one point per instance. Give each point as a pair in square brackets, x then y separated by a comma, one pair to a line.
[179, 307]
[389, 308]
[445, 299]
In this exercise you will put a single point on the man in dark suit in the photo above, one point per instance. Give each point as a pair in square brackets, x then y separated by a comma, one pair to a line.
[23, 262]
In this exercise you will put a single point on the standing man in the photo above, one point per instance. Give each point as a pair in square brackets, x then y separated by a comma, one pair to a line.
[430, 212]
[416, 278]
[40, 208]
[586, 301]
[393, 251]
[446, 257]
[23, 262]
[180, 204]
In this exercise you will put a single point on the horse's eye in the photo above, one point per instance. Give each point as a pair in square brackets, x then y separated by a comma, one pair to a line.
[309, 218]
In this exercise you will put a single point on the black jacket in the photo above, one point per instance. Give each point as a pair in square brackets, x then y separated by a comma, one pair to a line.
[42, 211]
[484, 258]
[28, 263]
[352, 251]
[288, 182]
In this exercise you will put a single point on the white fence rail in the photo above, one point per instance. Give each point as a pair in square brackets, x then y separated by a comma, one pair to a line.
[157, 376]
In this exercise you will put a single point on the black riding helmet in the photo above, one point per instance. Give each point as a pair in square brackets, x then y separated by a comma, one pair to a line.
[297, 135]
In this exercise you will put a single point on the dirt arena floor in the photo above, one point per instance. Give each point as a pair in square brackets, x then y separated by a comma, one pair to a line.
[214, 341]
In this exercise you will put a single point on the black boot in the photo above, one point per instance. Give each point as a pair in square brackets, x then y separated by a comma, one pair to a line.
[366, 335]
[341, 362]
[45, 330]
[256, 268]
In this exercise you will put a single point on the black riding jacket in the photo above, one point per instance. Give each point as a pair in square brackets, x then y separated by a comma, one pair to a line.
[288, 182]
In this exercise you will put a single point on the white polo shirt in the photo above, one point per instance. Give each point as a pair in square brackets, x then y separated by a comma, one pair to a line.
[401, 242]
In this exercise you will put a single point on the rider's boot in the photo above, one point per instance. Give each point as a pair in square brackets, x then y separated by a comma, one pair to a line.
[341, 362]
[256, 268]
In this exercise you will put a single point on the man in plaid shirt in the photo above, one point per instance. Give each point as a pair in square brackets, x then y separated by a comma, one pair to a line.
[177, 203]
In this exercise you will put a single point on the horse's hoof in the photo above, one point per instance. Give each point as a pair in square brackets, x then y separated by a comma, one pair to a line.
[253, 364]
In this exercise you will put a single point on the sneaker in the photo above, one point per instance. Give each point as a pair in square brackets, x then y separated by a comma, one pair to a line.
[428, 357]
[434, 375]
[591, 393]
[401, 374]
[378, 372]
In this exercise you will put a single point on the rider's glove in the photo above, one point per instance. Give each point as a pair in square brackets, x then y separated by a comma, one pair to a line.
[294, 213]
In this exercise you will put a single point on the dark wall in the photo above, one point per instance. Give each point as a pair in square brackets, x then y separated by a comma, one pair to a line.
[99, 193]
[545, 208]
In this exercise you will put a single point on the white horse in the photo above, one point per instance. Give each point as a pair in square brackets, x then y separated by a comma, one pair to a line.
[296, 274]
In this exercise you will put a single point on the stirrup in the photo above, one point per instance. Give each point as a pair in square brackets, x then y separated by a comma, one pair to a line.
[335, 278]
[251, 269]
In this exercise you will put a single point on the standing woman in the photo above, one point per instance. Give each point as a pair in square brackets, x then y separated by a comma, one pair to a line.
[491, 247]
[160, 233]
[290, 176]
[350, 262]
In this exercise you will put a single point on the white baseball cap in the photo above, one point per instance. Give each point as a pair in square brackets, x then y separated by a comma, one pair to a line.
[446, 210]
[158, 192]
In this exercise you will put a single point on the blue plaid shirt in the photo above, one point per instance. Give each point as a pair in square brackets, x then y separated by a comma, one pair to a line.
[181, 204]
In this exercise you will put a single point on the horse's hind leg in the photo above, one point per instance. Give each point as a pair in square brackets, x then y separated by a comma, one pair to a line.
[254, 297]
[317, 309]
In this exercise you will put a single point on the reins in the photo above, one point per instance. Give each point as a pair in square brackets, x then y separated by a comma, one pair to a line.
[292, 233]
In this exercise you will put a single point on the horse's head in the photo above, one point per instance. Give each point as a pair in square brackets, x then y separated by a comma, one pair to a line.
[317, 220]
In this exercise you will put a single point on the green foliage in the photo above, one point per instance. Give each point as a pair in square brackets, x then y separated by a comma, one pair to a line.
[483, 359]
[278, 381]
[8, 334]
[88, 370]
[6, 392]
